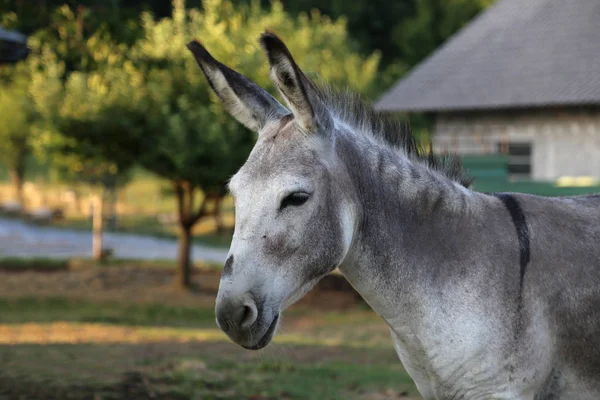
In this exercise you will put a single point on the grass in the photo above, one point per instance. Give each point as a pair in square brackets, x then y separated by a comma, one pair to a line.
[33, 264]
[66, 348]
[50, 309]
[120, 331]
[281, 380]
[101, 372]
[304, 326]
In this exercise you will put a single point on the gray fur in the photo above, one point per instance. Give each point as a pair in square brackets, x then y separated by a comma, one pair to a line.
[388, 127]
[471, 317]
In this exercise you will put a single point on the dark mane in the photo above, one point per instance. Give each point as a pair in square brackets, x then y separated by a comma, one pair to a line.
[353, 109]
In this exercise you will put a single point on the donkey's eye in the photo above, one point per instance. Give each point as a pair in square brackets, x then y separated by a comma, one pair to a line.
[294, 199]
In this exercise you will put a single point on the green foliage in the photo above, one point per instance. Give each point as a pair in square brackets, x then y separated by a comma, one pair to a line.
[79, 96]
[157, 105]
[193, 139]
[369, 22]
[404, 31]
[18, 114]
[81, 40]
[432, 23]
[23, 119]
[98, 107]
[150, 103]
[47, 17]
[132, 93]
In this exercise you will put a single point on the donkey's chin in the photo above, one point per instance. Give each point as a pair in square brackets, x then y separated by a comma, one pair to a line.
[267, 336]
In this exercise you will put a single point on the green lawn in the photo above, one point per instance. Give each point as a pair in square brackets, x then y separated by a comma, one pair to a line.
[58, 347]
[112, 372]
[50, 309]
[34, 264]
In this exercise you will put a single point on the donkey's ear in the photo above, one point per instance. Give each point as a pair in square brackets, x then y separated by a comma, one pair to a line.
[294, 86]
[243, 99]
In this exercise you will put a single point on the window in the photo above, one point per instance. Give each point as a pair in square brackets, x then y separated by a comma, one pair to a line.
[519, 159]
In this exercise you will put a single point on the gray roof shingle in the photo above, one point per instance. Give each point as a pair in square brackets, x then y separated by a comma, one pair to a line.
[517, 54]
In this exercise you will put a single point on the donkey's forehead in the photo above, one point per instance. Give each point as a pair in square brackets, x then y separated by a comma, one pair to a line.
[282, 151]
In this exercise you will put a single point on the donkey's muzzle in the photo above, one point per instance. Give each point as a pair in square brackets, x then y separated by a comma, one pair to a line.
[246, 323]
[235, 319]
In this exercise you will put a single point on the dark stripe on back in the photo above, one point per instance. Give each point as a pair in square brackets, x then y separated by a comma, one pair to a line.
[518, 218]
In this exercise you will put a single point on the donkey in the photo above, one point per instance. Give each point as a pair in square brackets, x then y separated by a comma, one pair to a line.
[487, 296]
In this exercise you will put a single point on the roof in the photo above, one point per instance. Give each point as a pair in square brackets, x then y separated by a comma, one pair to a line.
[13, 46]
[516, 54]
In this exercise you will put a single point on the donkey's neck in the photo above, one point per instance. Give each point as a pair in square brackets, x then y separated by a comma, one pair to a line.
[425, 258]
[412, 228]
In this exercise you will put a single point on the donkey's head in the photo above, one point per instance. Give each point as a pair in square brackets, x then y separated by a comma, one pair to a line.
[292, 224]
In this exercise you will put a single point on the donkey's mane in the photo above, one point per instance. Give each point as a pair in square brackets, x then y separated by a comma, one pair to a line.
[390, 129]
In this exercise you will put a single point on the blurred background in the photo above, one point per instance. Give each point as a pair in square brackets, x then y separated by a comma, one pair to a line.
[114, 154]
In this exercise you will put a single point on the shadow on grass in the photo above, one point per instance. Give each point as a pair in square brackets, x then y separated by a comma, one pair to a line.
[16, 264]
[198, 370]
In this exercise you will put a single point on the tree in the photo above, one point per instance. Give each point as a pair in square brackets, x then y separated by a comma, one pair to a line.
[197, 145]
[431, 24]
[82, 106]
[96, 107]
[158, 110]
[22, 118]
[178, 130]
[17, 117]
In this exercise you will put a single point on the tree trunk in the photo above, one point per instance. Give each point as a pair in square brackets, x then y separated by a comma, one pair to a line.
[184, 266]
[184, 192]
[16, 177]
[97, 253]
[185, 203]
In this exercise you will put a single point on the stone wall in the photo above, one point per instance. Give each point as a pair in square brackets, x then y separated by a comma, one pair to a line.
[564, 142]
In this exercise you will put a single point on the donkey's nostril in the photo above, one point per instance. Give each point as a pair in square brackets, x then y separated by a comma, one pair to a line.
[249, 315]
[235, 318]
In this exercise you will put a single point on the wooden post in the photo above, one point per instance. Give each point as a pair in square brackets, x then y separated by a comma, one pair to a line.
[97, 227]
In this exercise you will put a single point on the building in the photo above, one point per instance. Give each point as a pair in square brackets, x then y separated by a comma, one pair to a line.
[521, 79]
[13, 46]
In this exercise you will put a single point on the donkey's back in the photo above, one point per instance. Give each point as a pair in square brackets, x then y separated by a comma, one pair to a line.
[561, 296]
